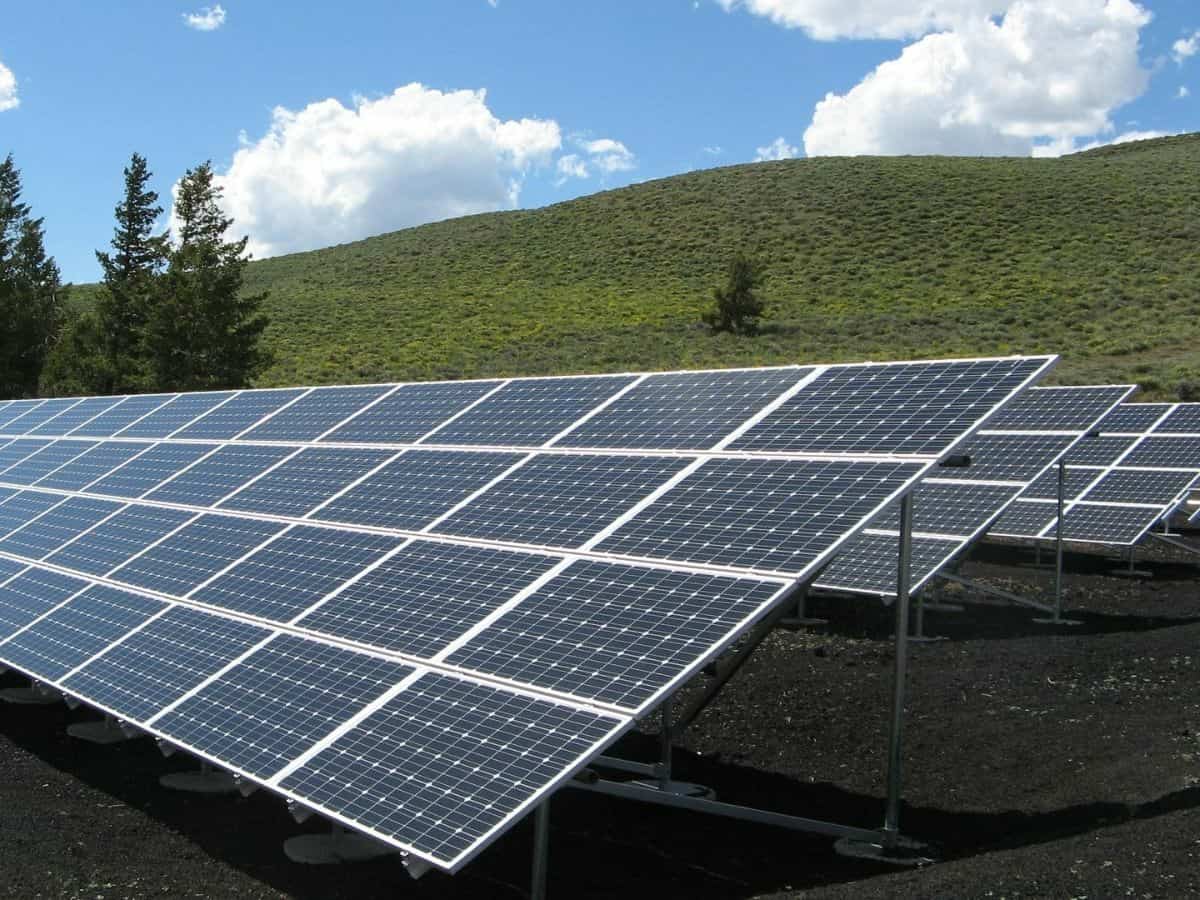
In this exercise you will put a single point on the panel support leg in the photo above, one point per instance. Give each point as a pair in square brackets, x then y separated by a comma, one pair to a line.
[541, 851]
[1056, 618]
[108, 731]
[662, 771]
[205, 781]
[34, 695]
[339, 846]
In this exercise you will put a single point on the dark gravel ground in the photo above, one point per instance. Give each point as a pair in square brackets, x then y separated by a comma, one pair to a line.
[1040, 761]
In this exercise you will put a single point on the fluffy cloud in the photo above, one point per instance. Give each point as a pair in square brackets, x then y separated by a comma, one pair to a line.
[329, 174]
[1069, 146]
[208, 19]
[1183, 93]
[1042, 76]
[777, 149]
[1186, 47]
[8, 89]
[603, 155]
[827, 20]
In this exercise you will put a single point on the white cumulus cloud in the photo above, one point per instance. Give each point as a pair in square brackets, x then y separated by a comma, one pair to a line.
[777, 149]
[329, 173]
[828, 20]
[1126, 137]
[210, 18]
[602, 155]
[1186, 47]
[1043, 75]
[1183, 93]
[8, 89]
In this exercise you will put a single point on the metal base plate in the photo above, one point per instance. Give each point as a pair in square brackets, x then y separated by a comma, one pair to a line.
[104, 732]
[332, 849]
[1053, 621]
[28, 697]
[926, 638]
[904, 852]
[200, 782]
[680, 788]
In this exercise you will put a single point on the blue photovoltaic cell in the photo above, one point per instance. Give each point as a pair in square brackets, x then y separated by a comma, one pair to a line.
[20, 508]
[122, 415]
[174, 415]
[1024, 519]
[279, 701]
[446, 760]
[613, 633]
[307, 480]
[232, 418]
[33, 594]
[529, 411]
[17, 450]
[311, 416]
[81, 412]
[36, 415]
[1058, 408]
[416, 488]
[45, 461]
[156, 465]
[1045, 486]
[959, 509]
[411, 412]
[110, 543]
[219, 475]
[1103, 450]
[196, 553]
[870, 563]
[91, 465]
[163, 661]
[14, 409]
[1140, 486]
[54, 528]
[77, 631]
[5, 493]
[426, 595]
[282, 579]
[776, 515]
[1133, 418]
[1184, 419]
[893, 408]
[562, 500]
[9, 568]
[1107, 524]
[1152, 452]
[683, 410]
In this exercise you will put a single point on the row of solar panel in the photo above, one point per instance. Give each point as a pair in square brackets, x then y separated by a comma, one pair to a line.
[842, 410]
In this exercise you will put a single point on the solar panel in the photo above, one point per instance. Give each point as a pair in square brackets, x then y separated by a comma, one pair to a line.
[411, 411]
[91, 465]
[38, 414]
[112, 542]
[1184, 419]
[17, 450]
[76, 415]
[174, 415]
[1001, 456]
[1140, 486]
[316, 413]
[13, 409]
[1025, 519]
[1134, 418]
[53, 528]
[122, 415]
[17, 510]
[45, 461]
[1165, 453]
[868, 564]
[149, 469]
[305, 481]
[210, 479]
[237, 414]
[1106, 524]
[32, 594]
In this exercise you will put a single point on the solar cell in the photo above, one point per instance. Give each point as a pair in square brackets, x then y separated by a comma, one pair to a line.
[416, 488]
[218, 475]
[1025, 519]
[1142, 486]
[76, 631]
[43, 462]
[195, 553]
[411, 411]
[162, 661]
[426, 595]
[91, 465]
[277, 702]
[1045, 486]
[1058, 408]
[39, 414]
[870, 561]
[529, 411]
[145, 472]
[76, 415]
[17, 450]
[776, 515]
[52, 529]
[1185, 418]
[1107, 524]
[32, 594]
[9, 568]
[561, 500]
[125, 413]
[613, 633]
[18, 509]
[1154, 452]
[174, 414]
[114, 541]
[683, 410]
[14, 409]
[1133, 418]
[313, 415]
[1007, 457]
[306, 480]
[238, 414]
[294, 571]
[961, 508]
[1103, 450]
[446, 761]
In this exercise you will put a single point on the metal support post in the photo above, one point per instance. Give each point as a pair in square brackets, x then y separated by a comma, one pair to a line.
[664, 762]
[541, 851]
[1060, 528]
[891, 816]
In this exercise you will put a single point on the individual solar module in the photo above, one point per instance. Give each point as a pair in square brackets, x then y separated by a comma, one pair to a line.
[1014, 458]
[902, 408]
[91, 465]
[14, 409]
[1105, 524]
[38, 415]
[562, 501]
[76, 631]
[9, 568]
[1184, 419]
[53, 528]
[1101, 450]
[413, 490]
[1058, 408]
[148, 470]
[19, 449]
[42, 463]
[1140, 486]
[447, 761]
[313, 415]
[122, 415]
[174, 415]
[683, 410]
[218, 475]
[294, 571]
[776, 515]
[1024, 519]
[425, 596]
[1133, 418]
[278, 702]
[1157, 453]
[613, 633]
[1045, 486]
[162, 661]
[958, 509]
[75, 416]
[195, 553]
[31, 594]
[869, 563]
[307, 480]
[411, 411]
[529, 411]
[237, 415]
[18, 509]
[115, 540]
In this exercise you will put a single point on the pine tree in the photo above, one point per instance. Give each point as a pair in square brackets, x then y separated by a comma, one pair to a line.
[131, 285]
[31, 291]
[737, 307]
[204, 334]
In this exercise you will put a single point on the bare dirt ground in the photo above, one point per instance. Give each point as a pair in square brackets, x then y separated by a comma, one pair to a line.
[1040, 761]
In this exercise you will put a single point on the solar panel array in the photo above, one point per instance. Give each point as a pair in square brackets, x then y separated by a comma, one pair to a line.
[418, 608]
[1119, 485]
[953, 507]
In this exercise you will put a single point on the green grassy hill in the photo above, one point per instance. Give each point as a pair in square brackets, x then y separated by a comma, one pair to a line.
[1095, 256]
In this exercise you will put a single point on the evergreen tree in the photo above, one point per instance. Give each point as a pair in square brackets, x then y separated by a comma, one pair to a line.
[77, 363]
[737, 307]
[131, 285]
[31, 291]
[203, 334]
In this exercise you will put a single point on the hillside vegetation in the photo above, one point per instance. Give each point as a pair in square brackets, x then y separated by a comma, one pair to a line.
[1094, 256]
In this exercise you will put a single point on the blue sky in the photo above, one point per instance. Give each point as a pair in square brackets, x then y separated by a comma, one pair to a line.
[330, 123]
